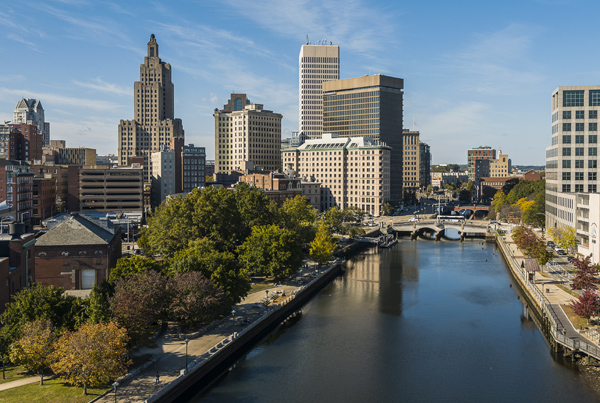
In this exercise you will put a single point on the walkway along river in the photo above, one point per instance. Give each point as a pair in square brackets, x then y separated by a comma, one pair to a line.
[422, 321]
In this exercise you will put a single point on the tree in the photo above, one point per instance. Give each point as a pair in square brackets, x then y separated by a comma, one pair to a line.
[34, 348]
[98, 310]
[271, 250]
[195, 299]
[509, 185]
[564, 236]
[585, 275]
[322, 247]
[92, 356]
[355, 231]
[139, 301]
[127, 266]
[222, 268]
[388, 209]
[354, 214]
[65, 312]
[334, 220]
[464, 196]
[299, 216]
[499, 201]
[587, 305]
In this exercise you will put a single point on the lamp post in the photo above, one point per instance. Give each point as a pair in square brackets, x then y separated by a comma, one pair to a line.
[186, 355]
[115, 385]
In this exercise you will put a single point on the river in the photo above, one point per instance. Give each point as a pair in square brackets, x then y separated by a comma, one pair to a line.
[420, 322]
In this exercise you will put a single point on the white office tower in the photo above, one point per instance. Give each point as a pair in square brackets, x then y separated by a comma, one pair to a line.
[318, 63]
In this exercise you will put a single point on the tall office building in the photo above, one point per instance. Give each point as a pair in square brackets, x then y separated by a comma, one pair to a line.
[318, 63]
[246, 133]
[31, 111]
[411, 161]
[369, 106]
[572, 163]
[478, 153]
[425, 164]
[193, 160]
[154, 124]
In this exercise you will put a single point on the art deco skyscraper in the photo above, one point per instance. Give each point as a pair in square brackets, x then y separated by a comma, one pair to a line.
[31, 111]
[154, 124]
[318, 63]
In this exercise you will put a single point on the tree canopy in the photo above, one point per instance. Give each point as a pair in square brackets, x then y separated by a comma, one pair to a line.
[34, 348]
[322, 247]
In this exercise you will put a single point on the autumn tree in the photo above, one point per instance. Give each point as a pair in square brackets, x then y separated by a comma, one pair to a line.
[139, 301]
[34, 348]
[531, 245]
[195, 299]
[499, 201]
[92, 356]
[586, 275]
[222, 268]
[563, 236]
[272, 251]
[322, 247]
[129, 265]
[587, 305]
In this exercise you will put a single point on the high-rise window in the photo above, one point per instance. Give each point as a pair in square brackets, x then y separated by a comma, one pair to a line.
[579, 127]
[579, 188]
[566, 127]
[592, 164]
[579, 114]
[579, 139]
[578, 164]
[593, 114]
[593, 127]
[594, 97]
[573, 98]
[566, 114]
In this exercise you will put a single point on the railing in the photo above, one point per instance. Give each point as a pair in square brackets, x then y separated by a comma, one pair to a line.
[548, 310]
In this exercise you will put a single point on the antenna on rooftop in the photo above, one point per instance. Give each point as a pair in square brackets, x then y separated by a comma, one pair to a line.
[307, 41]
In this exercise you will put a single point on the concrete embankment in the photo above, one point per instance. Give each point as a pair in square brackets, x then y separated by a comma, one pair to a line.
[212, 364]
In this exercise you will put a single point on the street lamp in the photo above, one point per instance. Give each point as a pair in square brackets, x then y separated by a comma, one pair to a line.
[186, 362]
[114, 385]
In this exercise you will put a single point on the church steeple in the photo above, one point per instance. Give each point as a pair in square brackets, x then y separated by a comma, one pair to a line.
[152, 47]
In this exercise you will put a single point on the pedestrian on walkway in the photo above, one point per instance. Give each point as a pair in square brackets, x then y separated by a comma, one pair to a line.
[157, 378]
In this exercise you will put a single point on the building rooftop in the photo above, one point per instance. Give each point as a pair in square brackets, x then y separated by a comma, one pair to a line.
[79, 230]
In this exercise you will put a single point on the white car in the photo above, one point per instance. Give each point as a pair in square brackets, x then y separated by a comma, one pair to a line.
[413, 219]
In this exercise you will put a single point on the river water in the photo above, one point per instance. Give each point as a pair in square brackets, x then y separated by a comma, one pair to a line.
[420, 322]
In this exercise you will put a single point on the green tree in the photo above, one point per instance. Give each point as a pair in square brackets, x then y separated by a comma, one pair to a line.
[299, 216]
[94, 355]
[353, 232]
[499, 201]
[271, 250]
[65, 312]
[388, 209]
[464, 196]
[98, 309]
[254, 208]
[195, 299]
[354, 214]
[34, 348]
[509, 185]
[334, 220]
[222, 268]
[322, 247]
[129, 265]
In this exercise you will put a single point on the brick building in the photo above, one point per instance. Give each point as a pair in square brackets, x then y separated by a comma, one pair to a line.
[77, 252]
[17, 262]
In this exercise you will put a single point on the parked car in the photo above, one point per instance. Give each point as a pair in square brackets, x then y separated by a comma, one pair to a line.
[413, 219]
[561, 252]
[550, 244]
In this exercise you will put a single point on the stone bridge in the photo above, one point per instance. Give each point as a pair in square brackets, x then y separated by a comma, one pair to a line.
[465, 229]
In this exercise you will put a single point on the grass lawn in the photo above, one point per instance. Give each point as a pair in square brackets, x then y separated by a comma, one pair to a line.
[13, 373]
[576, 320]
[53, 391]
[259, 287]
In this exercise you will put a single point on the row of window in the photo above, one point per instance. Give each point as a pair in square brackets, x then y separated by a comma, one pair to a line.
[580, 114]
[579, 164]
[579, 188]
[579, 151]
[580, 139]
[579, 127]
[566, 176]
[576, 98]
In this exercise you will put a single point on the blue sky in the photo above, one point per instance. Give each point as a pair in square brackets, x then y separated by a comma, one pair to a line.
[476, 73]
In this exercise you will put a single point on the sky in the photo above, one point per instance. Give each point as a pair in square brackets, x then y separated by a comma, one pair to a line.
[475, 73]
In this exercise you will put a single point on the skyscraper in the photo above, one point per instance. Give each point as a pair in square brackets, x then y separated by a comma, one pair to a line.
[154, 124]
[368, 106]
[245, 132]
[318, 63]
[31, 111]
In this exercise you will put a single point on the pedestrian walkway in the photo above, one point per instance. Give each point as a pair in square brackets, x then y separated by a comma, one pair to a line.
[172, 352]
[19, 382]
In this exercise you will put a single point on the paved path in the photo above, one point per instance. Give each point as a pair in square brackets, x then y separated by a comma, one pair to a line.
[20, 382]
[171, 349]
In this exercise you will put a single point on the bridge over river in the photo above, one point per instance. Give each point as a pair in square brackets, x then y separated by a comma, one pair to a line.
[436, 229]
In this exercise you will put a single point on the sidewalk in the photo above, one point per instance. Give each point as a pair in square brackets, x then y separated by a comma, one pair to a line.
[20, 382]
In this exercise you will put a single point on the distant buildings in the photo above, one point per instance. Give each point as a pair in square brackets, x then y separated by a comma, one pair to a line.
[163, 175]
[193, 167]
[492, 167]
[20, 142]
[352, 171]
[416, 162]
[16, 189]
[318, 63]
[30, 111]
[117, 189]
[246, 133]
[369, 106]
[154, 124]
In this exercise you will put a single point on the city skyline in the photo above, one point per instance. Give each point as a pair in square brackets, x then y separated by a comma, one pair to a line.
[469, 80]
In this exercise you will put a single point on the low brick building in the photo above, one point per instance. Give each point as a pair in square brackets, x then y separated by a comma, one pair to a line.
[77, 252]
[17, 262]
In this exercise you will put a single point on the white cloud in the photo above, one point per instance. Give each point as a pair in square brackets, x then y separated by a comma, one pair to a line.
[59, 100]
[98, 84]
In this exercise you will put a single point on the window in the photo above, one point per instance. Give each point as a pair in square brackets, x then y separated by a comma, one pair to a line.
[593, 151]
[592, 188]
[592, 164]
[579, 151]
[579, 127]
[566, 127]
[566, 188]
[579, 114]
[566, 152]
[566, 114]
[578, 164]
[566, 176]
[594, 97]
[579, 139]
[591, 176]
[573, 98]
[593, 127]
[578, 176]
[566, 164]
[566, 139]
[593, 114]
[579, 188]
